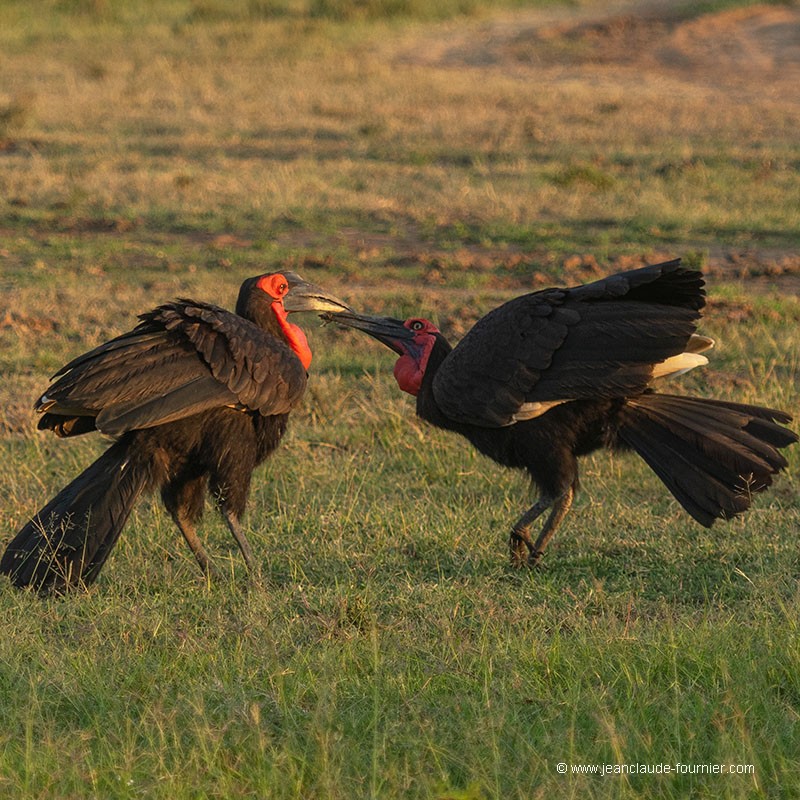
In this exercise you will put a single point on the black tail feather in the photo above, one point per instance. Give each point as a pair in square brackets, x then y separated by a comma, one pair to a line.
[67, 542]
[712, 455]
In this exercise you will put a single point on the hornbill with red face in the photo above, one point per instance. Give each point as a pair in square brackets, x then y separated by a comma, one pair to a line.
[196, 397]
[556, 374]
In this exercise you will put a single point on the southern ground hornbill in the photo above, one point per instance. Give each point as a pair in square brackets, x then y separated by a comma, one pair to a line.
[196, 397]
[556, 374]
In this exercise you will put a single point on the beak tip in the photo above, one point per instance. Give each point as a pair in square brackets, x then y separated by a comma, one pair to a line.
[304, 296]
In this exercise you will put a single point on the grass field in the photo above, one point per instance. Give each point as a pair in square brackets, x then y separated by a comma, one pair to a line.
[410, 162]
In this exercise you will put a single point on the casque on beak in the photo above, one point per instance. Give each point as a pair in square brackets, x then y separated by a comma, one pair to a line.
[387, 330]
[305, 296]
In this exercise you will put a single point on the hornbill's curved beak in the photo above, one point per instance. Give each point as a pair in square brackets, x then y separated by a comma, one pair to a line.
[391, 332]
[304, 296]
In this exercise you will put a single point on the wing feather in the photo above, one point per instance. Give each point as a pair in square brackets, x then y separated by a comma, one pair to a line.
[545, 348]
[182, 358]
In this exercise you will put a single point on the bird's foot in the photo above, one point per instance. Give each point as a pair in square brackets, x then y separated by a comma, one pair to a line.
[535, 559]
[211, 572]
[523, 552]
[519, 550]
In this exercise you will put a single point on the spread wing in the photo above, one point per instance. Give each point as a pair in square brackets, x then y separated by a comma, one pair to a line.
[182, 358]
[542, 349]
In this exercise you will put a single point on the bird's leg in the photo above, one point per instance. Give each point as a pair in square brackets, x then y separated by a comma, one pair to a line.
[523, 549]
[520, 544]
[236, 529]
[561, 507]
[195, 545]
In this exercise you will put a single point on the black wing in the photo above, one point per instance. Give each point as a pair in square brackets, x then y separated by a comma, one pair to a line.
[545, 348]
[183, 358]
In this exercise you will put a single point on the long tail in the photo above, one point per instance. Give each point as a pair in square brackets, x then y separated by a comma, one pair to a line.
[66, 544]
[712, 455]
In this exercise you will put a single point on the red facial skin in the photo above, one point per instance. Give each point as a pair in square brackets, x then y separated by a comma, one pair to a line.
[276, 286]
[410, 367]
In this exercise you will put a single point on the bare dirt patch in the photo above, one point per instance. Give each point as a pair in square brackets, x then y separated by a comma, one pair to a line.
[739, 47]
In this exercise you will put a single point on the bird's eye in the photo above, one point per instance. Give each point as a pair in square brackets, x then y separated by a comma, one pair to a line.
[283, 288]
[417, 325]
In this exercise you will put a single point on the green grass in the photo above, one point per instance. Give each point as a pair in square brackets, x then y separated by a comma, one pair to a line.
[411, 165]
[386, 650]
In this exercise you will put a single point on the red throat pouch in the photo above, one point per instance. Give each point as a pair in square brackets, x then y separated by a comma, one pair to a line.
[294, 335]
[408, 374]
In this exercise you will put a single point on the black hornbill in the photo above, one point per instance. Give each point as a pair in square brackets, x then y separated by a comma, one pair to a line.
[196, 397]
[556, 374]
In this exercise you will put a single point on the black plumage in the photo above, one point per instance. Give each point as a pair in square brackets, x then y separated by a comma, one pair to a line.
[196, 397]
[556, 374]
